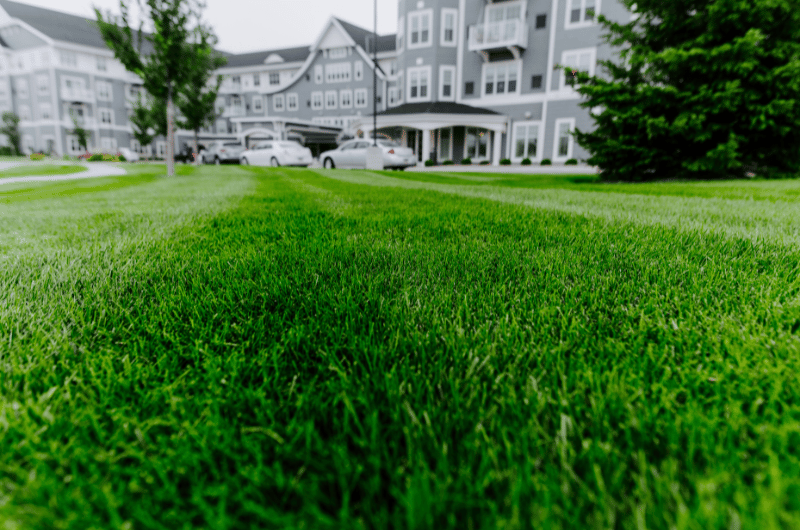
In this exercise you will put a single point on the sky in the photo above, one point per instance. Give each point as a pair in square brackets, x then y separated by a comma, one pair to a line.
[252, 25]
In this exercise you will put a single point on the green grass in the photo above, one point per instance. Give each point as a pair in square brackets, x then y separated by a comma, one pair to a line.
[278, 348]
[43, 169]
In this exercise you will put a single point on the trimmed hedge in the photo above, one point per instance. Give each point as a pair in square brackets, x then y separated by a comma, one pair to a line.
[447, 163]
[505, 162]
[37, 156]
[526, 162]
[428, 163]
[571, 162]
[485, 162]
[547, 162]
[466, 161]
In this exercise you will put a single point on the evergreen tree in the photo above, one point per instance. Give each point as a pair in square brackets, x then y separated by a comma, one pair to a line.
[142, 122]
[80, 133]
[706, 89]
[10, 129]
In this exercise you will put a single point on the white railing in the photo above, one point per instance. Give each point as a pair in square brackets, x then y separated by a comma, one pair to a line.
[491, 35]
[233, 111]
[77, 94]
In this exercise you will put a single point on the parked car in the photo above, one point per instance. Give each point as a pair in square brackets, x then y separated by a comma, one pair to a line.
[129, 154]
[220, 151]
[185, 154]
[353, 155]
[277, 153]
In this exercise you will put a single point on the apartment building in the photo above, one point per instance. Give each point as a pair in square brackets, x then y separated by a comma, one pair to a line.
[459, 78]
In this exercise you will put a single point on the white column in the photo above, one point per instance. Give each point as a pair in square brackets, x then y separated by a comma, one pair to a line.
[496, 136]
[426, 144]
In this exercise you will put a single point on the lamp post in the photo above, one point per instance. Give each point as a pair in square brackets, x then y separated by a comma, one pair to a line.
[375, 153]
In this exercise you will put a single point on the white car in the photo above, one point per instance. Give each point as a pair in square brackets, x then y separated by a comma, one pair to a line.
[129, 154]
[353, 155]
[277, 153]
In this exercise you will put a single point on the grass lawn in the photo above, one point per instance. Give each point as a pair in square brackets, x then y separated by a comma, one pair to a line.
[243, 347]
[44, 169]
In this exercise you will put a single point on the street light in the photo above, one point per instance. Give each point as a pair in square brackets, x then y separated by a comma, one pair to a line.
[374, 153]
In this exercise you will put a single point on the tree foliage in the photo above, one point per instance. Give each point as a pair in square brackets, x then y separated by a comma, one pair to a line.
[10, 129]
[142, 121]
[80, 133]
[706, 89]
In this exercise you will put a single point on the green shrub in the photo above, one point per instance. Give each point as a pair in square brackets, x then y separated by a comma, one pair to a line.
[526, 161]
[6, 151]
[466, 161]
[571, 162]
[447, 163]
[505, 162]
[97, 157]
[122, 158]
[485, 162]
[37, 156]
[547, 162]
[428, 163]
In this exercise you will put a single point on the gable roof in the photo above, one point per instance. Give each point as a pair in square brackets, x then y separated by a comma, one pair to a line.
[289, 55]
[363, 37]
[436, 107]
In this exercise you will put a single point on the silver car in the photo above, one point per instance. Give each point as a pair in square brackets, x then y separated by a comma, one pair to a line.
[353, 155]
[219, 152]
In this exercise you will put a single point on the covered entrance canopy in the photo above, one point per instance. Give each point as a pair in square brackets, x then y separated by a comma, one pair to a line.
[430, 116]
[314, 136]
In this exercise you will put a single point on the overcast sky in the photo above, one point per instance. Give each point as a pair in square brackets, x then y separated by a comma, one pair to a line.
[252, 25]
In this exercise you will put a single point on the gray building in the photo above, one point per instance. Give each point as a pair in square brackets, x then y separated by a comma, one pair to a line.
[459, 78]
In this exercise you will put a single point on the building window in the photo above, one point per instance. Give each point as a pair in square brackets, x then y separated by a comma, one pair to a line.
[277, 102]
[526, 141]
[136, 147]
[418, 83]
[256, 79]
[106, 117]
[316, 100]
[392, 96]
[292, 102]
[476, 143]
[318, 74]
[72, 143]
[400, 86]
[562, 149]
[541, 21]
[337, 72]
[449, 27]
[69, 59]
[108, 144]
[103, 90]
[358, 70]
[258, 104]
[330, 99]
[447, 78]
[45, 111]
[419, 29]
[400, 32]
[345, 99]
[536, 81]
[577, 60]
[500, 78]
[101, 64]
[22, 88]
[42, 84]
[274, 78]
[24, 112]
[161, 148]
[469, 88]
[338, 53]
[581, 12]
[361, 97]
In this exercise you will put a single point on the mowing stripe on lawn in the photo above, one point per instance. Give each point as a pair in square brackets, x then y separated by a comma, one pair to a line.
[311, 352]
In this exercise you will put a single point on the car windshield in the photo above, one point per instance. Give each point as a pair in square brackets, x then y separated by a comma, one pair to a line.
[388, 143]
[287, 145]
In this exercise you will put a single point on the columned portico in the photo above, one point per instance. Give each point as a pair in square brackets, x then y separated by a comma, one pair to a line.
[429, 117]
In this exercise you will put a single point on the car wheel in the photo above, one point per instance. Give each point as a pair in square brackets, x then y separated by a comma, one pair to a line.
[329, 164]
[274, 162]
[245, 162]
[217, 160]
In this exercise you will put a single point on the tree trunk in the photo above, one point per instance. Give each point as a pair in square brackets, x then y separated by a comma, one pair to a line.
[194, 149]
[170, 133]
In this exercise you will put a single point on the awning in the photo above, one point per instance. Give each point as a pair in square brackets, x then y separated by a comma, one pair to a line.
[435, 115]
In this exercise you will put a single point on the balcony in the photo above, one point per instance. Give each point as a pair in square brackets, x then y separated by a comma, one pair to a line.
[496, 36]
[233, 111]
[77, 94]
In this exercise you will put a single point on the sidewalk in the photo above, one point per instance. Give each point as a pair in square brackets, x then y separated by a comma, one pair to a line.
[531, 170]
[95, 169]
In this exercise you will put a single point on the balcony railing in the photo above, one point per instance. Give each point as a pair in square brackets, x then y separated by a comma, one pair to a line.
[85, 123]
[498, 35]
[77, 94]
[233, 111]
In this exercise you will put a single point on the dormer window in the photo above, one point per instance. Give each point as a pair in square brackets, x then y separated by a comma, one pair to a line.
[338, 53]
